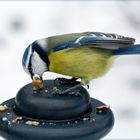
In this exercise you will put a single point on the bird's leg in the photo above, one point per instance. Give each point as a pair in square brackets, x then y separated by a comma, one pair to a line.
[72, 81]
[71, 89]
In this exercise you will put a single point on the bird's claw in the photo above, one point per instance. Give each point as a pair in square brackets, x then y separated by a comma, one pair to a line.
[74, 93]
[66, 93]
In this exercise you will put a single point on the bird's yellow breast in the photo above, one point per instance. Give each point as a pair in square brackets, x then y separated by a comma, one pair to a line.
[84, 62]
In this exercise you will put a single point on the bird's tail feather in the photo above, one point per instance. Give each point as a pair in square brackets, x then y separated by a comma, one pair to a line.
[135, 49]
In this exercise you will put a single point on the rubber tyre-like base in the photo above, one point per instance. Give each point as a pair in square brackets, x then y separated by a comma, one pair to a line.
[93, 126]
[54, 106]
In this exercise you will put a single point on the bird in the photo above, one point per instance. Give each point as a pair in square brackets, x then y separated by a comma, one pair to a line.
[84, 55]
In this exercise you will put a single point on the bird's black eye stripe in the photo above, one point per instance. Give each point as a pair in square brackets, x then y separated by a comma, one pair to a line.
[30, 68]
[42, 53]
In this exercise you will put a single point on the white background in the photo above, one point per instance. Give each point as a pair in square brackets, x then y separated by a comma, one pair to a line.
[23, 22]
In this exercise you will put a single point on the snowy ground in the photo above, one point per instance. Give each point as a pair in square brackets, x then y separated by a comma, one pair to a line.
[23, 22]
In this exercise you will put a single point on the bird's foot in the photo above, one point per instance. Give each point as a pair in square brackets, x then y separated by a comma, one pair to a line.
[77, 93]
[65, 81]
[61, 93]
[70, 91]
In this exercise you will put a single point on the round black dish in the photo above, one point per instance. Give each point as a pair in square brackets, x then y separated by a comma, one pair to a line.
[50, 104]
[91, 127]
[88, 125]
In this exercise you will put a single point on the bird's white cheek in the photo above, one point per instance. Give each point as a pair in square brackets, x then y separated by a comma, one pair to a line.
[38, 65]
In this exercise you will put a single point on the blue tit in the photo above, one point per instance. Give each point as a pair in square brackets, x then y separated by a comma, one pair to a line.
[85, 55]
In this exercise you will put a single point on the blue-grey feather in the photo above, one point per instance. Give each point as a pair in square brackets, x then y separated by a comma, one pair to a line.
[25, 56]
[135, 49]
[112, 41]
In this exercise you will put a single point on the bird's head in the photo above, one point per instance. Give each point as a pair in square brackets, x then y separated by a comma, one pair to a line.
[35, 59]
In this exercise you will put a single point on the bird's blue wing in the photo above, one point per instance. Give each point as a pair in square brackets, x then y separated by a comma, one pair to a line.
[96, 39]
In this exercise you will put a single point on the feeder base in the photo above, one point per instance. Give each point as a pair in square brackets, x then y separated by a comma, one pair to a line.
[93, 126]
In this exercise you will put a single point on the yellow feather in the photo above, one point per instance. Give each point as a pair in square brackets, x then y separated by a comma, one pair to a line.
[84, 62]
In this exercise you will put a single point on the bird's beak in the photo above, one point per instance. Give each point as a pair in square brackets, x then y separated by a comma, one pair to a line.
[37, 82]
